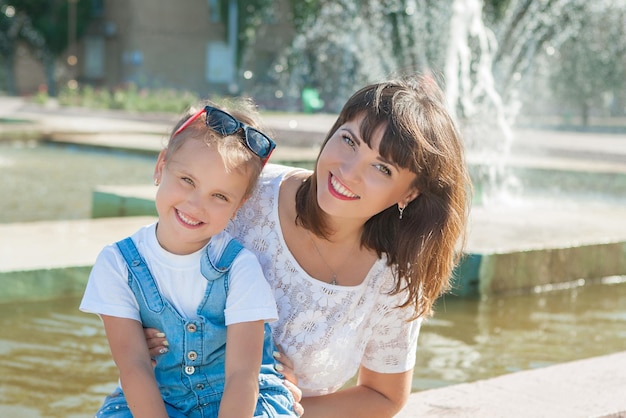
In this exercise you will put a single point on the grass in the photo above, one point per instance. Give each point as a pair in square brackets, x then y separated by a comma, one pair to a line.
[128, 98]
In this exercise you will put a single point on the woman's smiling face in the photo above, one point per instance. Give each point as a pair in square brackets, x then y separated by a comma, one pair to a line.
[354, 180]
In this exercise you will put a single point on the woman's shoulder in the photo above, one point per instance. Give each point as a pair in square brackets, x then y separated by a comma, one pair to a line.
[271, 180]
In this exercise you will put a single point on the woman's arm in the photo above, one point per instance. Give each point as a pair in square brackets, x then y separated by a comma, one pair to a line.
[244, 352]
[130, 353]
[376, 395]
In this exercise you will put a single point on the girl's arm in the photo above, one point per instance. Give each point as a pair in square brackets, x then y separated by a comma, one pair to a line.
[376, 395]
[130, 353]
[244, 352]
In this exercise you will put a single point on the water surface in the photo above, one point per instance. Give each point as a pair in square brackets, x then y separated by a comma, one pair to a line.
[55, 361]
[52, 182]
[469, 340]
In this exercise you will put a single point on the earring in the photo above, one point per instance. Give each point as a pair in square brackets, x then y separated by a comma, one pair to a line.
[156, 182]
[401, 210]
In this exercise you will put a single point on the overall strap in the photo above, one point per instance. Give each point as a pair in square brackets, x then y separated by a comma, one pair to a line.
[213, 271]
[138, 270]
[228, 256]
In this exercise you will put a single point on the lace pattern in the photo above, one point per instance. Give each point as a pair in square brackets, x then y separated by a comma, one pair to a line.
[327, 330]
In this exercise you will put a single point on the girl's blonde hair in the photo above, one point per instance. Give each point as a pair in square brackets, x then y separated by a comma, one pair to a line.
[419, 134]
[235, 154]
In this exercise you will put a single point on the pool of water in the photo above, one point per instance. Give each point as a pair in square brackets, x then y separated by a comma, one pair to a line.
[46, 182]
[55, 361]
[469, 339]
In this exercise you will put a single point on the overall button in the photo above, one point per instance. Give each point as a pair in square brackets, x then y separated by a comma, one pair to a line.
[191, 327]
[190, 369]
[192, 355]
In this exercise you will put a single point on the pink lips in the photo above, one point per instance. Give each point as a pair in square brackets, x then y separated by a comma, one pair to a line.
[339, 190]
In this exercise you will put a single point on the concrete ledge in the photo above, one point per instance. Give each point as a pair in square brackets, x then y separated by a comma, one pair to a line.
[42, 260]
[530, 270]
[119, 201]
[587, 388]
[521, 249]
[513, 250]
[42, 284]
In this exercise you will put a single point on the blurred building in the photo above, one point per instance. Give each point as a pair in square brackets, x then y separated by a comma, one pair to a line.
[187, 44]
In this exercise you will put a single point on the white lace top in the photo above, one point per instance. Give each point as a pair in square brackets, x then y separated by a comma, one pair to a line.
[327, 330]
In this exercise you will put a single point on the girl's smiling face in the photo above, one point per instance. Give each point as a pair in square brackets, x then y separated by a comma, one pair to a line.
[197, 196]
[355, 181]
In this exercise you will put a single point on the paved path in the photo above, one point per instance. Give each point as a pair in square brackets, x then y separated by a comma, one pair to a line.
[591, 388]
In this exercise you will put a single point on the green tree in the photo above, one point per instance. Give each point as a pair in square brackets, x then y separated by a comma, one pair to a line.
[589, 66]
[43, 25]
[304, 10]
[10, 26]
[14, 26]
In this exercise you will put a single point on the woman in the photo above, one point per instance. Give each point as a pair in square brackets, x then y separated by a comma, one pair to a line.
[358, 250]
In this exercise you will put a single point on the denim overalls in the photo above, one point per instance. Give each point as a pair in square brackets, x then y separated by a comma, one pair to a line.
[191, 374]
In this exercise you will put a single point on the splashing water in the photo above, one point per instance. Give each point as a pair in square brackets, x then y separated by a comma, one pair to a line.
[468, 80]
[486, 64]
[350, 44]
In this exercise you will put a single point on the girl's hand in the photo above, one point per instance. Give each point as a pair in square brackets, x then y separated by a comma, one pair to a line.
[156, 341]
[285, 367]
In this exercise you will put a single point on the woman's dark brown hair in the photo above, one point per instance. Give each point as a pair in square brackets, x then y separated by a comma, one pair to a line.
[419, 134]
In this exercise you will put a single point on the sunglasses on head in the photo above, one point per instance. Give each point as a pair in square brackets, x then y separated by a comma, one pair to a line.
[226, 124]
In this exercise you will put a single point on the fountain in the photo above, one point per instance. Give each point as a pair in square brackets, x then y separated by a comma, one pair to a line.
[484, 69]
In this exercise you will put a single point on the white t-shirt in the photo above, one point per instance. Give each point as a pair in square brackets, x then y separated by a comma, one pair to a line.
[180, 281]
[327, 330]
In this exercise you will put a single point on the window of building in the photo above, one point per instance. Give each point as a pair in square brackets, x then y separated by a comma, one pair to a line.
[215, 13]
[97, 8]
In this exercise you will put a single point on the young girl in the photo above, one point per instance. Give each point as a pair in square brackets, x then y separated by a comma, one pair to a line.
[358, 250]
[189, 278]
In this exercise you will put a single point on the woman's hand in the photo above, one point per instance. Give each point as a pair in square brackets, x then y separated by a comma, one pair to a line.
[156, 341]
[285, 367]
